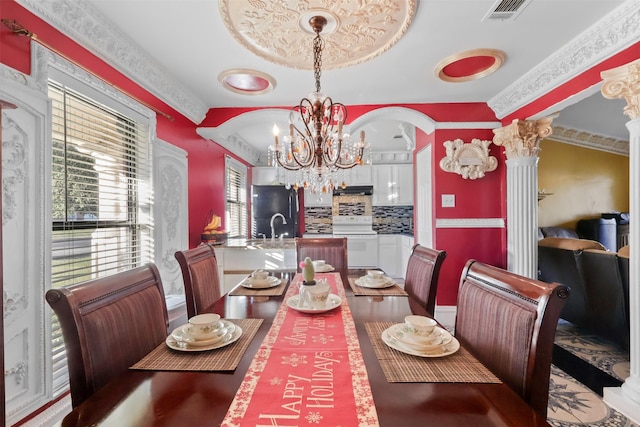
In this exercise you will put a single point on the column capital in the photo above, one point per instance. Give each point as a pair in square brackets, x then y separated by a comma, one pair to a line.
[522, 137]
[624, 82]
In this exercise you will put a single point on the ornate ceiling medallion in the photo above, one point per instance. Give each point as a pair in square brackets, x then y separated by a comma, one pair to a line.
[470, 65]
[355, 32]
[247, 82]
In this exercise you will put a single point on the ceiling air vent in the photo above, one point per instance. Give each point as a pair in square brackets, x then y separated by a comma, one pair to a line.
[505, 10]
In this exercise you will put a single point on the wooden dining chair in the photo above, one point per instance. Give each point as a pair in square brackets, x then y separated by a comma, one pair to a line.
[331, 249]
[421, 279]
[200, 276]
[108, 324]
[509, 322]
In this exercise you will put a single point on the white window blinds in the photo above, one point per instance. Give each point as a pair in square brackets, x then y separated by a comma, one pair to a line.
[236, 189]
[100, 197]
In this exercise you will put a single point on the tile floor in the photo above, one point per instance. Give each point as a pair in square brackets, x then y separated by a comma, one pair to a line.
[572, 403]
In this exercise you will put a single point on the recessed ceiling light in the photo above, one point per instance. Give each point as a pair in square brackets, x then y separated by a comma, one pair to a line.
[470, 65]
[247, 82]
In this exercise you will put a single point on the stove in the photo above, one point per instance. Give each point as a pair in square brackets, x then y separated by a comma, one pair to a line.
[347, 225]
[362, 241]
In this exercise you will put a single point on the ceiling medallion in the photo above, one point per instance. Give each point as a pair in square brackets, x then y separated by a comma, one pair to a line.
[247, 82]
[469, 65]
[355, 31]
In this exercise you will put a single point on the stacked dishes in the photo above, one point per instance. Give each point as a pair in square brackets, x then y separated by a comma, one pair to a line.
[204, 332]
[320, 266]
[420, 336]
[260, 279]
[375, 279]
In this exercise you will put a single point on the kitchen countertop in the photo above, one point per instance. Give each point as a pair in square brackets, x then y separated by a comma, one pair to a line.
[259, 244]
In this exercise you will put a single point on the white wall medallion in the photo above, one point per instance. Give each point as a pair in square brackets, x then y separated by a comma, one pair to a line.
[470, 160]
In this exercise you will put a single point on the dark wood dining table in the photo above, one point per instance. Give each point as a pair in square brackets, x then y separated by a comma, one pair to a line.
[198, 399]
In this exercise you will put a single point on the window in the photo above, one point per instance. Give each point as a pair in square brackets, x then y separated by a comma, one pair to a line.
[100, 198]
[236, 187]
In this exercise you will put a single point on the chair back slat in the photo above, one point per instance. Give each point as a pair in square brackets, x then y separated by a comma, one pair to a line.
[331, 249]
[200, 277]
[508, 322]
[108, 324]
[421, 278]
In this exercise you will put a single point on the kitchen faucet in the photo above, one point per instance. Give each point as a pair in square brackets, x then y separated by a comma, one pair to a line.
[273, 230]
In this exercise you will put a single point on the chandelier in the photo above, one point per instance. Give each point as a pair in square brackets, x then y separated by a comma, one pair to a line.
[316, 150]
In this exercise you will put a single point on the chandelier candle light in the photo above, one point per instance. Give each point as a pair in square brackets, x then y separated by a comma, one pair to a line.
[316, 149]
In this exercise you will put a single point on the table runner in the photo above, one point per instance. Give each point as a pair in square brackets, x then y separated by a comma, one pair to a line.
[394, 290]
[308, 370]
[269, 292]
[226, 358]
[398, 367]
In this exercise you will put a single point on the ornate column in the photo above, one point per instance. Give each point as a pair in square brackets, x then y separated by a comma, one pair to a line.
[521, 140]
[6, 105]
[624, 82]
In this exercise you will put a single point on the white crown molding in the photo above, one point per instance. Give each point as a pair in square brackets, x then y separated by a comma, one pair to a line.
[233, 143]
[613, 33]
[589, 140]
[468, 125]
[84, 24]
[470, 223]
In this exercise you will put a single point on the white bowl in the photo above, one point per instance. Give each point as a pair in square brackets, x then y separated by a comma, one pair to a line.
[420, 325]
[319, 263]
[204, 326]
[375, 274]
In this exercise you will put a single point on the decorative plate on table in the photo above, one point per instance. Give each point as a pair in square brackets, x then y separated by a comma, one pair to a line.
[445, 350]
[333, 301]
[324, 269]
[366, 282]
[181, 345]
[270, 283]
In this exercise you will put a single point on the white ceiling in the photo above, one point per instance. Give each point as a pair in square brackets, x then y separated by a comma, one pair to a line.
[189, 43]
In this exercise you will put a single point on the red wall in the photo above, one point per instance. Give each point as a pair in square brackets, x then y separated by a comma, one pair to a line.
[205, 158]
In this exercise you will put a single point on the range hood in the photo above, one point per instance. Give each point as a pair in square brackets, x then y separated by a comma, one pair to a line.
[354, 190]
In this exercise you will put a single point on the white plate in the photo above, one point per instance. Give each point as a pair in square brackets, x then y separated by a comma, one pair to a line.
[333, 301]
[387, 282]
[272, 282]
[394, 343]
[181, 334]
[324, 269]
[183, 346]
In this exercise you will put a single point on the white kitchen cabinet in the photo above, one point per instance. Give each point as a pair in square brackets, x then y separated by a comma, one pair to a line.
[406, 244]
[360, 175]
[318, 199]
[389, 255]
[393, 185]
[266, 176]
[405, 184]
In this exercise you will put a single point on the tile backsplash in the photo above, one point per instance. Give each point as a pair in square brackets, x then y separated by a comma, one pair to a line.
[386, 219]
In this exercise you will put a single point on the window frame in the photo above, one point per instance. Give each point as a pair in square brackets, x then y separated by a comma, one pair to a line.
[242, 206]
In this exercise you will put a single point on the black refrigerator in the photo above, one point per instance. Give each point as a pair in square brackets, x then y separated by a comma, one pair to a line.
[269, 200]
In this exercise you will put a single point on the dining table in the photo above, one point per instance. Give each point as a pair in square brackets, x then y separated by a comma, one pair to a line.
[393, 388]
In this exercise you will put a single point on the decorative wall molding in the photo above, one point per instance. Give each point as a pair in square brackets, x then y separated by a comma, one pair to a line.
[470, 223]
[85, 25]
[618, 30]
[469, 160]
[590, 140]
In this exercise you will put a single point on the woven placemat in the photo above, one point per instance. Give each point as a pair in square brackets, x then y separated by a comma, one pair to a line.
[398, 367]
[394, 290]
[276, 291]
[162, 358]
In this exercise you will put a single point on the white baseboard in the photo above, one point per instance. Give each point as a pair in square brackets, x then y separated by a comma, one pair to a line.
[446, 315]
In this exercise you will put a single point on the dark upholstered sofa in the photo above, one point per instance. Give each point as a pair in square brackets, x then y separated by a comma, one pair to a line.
[599, 283]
